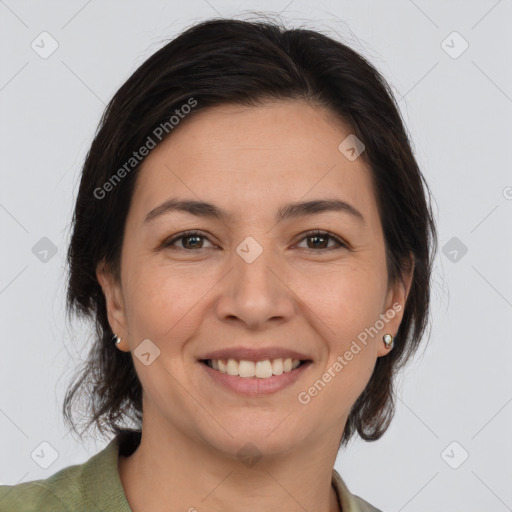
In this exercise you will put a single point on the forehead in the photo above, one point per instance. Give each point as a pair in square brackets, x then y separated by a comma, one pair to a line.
[247, 158]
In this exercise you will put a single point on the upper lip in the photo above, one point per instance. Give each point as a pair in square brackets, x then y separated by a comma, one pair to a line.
[255, 354]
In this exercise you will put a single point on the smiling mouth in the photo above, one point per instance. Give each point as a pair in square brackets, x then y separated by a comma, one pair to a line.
[258, 369]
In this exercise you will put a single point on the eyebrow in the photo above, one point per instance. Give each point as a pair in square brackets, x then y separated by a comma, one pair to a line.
[288, 211]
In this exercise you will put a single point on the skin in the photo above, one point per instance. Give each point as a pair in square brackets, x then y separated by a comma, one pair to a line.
[188, 301]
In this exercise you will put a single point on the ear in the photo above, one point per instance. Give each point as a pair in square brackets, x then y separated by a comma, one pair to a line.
[113, 293]
[395, 306]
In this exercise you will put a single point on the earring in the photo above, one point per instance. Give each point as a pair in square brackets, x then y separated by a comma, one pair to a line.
[118, 339]
[388, 341]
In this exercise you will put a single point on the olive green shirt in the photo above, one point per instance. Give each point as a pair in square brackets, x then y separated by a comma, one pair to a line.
[95, 486]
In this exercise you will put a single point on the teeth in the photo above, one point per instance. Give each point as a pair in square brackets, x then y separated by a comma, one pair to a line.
[260, 369]
[263, 369]
[246, 369]
[277, 366]
[232, 367]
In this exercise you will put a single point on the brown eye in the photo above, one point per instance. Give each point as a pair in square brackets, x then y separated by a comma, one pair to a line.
[320, 239]
[190, 240]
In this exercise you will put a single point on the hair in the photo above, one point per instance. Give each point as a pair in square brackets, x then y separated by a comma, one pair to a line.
[227, 61]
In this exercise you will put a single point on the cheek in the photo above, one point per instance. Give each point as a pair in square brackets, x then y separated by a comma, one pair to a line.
[347, 299]
[348, 305]
[163, 301]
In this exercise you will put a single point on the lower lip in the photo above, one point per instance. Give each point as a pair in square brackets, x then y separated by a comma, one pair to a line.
[253, 385]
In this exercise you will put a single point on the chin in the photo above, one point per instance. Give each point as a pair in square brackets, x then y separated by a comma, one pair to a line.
[259, 437]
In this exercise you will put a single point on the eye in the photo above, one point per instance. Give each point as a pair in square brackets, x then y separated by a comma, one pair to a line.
[320, 239]
[191, 238]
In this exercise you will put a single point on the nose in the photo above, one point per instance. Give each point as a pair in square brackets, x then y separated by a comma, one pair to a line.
[255, 292]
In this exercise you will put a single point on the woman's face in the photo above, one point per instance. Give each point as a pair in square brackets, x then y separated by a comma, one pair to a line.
[252, 279]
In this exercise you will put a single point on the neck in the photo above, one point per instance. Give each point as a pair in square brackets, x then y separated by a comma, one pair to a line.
[175, 470]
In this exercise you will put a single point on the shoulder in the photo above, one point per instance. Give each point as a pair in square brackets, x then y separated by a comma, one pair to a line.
[28, 497]
[81, 487]
[350, 502]
[54, 493]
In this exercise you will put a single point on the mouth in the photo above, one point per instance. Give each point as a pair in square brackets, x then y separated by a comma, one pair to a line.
[264, 369]
[255, 378]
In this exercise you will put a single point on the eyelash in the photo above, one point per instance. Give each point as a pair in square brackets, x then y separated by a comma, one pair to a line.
[315, 232]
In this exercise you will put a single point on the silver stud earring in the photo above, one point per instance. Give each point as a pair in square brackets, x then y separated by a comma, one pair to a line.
[118, 339]
[388, 341]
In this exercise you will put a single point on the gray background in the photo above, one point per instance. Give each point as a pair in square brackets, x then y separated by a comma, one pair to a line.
[458, 109]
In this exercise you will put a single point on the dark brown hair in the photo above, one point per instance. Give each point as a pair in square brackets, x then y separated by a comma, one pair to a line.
[225, 61]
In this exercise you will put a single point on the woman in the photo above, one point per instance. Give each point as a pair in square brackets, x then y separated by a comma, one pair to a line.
[253, 231]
